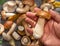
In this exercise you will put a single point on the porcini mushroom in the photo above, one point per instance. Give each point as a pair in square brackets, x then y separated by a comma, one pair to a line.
[12, 42]
[16, 36]
[21, 18]
[21, 28]
[25, 40]
[6, 15]
[9, 6]
[43, 14]
[23, 9]
[28, 2]
[47, 6]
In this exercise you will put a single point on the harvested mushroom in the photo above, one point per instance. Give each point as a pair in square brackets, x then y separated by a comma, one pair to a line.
[25, 40]
[13, 18]
[47, 6]
[8, 24]
[21, 28]
[39, 28]
[17, 2]
[34, 43]
[1, 29]
[21, 5]
[28, 2]
[32, 7]
[5, 15]
[21, 32]
[43, 14]
[21, 18]
[23, 9]
[16, 35]
[32, 38]
[7, 36]
[56, 4]
[9, 6]
[12, 42]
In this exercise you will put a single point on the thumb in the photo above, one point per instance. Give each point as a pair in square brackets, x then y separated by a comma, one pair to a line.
[55, 15]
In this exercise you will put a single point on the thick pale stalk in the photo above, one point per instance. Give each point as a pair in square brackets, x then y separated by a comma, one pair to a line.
[39, 28]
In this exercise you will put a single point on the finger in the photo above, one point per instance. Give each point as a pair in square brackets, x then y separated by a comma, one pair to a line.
[57, 29]
[37, 9]
[32, 16]
[55, 15]
[51, 27]
[29, 30]
[30, 21]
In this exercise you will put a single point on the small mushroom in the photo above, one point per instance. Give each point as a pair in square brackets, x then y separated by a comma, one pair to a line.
[56, 4]
[47, 6]
[25, 40]
[7, 36]
[39, 28]
[13, 18]
[1, 28]
[32, 7]
[28, 2]
[16, 36]
[21, 32]
[12, 42]
[21, 28]
[9, 6]
[8, 24]
[6, 15]
[21, 18]
[23, 9]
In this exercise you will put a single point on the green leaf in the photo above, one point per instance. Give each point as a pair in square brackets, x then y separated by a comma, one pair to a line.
[2, 1]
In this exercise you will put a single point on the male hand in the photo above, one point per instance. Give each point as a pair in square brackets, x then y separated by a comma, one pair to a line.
[51, 36]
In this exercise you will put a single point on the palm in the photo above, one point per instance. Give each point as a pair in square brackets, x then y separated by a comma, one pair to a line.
[51, 36]
[52, 31]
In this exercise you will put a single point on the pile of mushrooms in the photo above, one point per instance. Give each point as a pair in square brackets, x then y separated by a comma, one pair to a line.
[14, 16]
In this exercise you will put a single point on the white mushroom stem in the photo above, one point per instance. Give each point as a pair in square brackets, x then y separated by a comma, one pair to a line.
[12, 28]
[16, 36]
[4, 14]
[39, 28]
[23, 10]
[9, 14]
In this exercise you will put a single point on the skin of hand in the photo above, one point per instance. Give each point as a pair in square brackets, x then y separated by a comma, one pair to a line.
[51, 36]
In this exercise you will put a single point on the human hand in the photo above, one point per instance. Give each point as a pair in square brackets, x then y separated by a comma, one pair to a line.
[51, 35]
[51, 30]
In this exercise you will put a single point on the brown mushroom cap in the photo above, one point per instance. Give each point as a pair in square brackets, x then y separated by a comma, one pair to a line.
[8, 24]
[28, 2]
